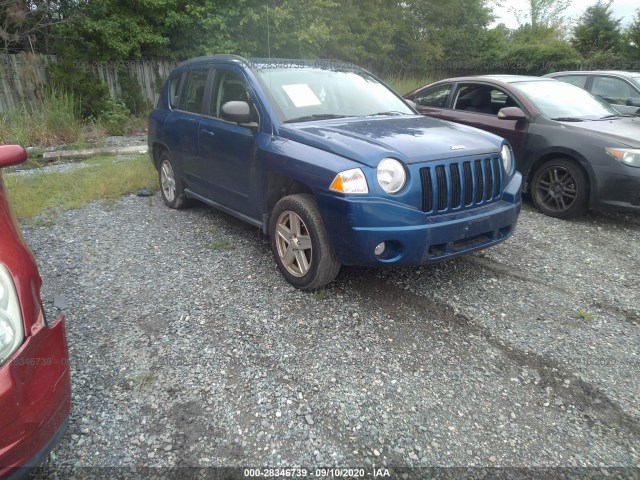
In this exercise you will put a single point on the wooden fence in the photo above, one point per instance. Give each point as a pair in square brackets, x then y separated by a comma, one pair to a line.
[23, 78]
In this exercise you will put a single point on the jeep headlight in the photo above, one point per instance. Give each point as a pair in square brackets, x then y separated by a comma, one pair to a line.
[507, 158]
[391, 175]
[350, 181]
[630, 156]
[11, 329]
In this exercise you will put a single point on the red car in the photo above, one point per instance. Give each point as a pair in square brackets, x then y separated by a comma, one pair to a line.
[35, 385]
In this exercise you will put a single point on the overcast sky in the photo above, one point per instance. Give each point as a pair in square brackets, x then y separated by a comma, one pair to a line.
[621, 9]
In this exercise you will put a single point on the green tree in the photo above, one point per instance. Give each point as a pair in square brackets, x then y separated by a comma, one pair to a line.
[632, 39]
[455, 28]
[542, 13]
[25, 25]
[598, 33]
[539, 50]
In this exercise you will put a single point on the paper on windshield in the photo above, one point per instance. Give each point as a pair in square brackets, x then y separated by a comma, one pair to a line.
[301, 95]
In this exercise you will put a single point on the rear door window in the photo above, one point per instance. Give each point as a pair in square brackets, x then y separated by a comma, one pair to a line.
[434, 97]
[194, 92]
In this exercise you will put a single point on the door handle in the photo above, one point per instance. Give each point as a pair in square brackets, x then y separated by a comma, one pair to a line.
[209, 132]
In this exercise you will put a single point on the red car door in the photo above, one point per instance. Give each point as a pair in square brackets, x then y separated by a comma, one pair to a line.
[477, 105]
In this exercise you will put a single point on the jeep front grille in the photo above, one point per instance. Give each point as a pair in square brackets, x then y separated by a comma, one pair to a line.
[461, 185]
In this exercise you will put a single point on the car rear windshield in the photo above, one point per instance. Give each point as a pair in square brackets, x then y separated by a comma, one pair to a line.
[563, 101]
[308, 93]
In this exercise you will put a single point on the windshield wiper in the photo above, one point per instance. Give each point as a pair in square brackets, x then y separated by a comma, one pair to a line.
[615, 115]
[568, 119]
[390, 112]
[317, 116]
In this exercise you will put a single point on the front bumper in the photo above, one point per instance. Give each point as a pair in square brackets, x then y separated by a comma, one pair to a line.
[617, 187]
[356, 225]
[35, 399]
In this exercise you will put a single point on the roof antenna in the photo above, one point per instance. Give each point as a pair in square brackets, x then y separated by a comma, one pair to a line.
[268, 37]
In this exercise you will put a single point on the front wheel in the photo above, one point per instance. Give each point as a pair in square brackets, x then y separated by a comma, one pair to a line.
[560, 189]
[300, 243]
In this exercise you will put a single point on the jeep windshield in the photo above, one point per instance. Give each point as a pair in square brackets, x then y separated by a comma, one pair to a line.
[306, 94]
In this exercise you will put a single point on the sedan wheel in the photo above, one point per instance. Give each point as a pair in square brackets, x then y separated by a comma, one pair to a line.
[300, 243]
[560, 189]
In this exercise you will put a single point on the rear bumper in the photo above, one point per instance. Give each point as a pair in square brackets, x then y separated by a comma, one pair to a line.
[356, 225]
[35, 399]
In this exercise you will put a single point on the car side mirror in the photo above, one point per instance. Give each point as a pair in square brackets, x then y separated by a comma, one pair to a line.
[411, 103]
[633, 102]
[236, 111]
[511, 113]
[12, 155]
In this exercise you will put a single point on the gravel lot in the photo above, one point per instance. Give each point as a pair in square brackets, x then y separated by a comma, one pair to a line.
[190, 349]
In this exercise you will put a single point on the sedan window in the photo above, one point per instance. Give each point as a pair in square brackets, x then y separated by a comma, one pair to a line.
[482, 99]
[434, 97]
[613, 90]
[577, 80]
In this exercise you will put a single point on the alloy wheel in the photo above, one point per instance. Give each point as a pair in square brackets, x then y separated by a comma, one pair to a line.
[294, 243]
[168, 181]
[557, 189]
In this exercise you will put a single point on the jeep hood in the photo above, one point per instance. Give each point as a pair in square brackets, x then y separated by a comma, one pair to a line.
[412, 139]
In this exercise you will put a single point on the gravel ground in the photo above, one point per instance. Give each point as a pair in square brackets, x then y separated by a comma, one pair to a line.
[189, 348]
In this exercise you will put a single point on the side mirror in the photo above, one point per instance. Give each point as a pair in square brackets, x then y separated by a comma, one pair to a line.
[12, 155]
[236, 111]
[511, 113]
[633, 101]
[411, 103]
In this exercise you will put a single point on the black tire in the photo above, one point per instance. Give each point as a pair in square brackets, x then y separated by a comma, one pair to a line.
[560, 189]
[171, 187]
[302, 251]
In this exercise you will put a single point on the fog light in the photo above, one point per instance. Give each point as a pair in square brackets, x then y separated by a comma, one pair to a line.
[379, 249]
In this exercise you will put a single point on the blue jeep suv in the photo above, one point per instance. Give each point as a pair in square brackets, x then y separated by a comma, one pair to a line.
[330, 163]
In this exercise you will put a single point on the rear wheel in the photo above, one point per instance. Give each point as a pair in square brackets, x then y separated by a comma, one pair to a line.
[300, 243]
[560, 189]
[171, 187]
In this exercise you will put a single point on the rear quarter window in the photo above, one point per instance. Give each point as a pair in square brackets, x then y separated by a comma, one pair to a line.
[174, 90]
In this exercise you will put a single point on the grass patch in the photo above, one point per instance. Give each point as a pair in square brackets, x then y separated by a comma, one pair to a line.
[56, 120]
[143, 379]
[320, 294]
[103, 178]
[406, 83]
[219, 245]
[585, 315]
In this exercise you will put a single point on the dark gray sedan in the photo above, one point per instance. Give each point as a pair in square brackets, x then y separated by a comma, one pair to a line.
[574, 150]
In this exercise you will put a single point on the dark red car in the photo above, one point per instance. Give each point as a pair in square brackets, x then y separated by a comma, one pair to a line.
[35, 386]
[574, 150]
